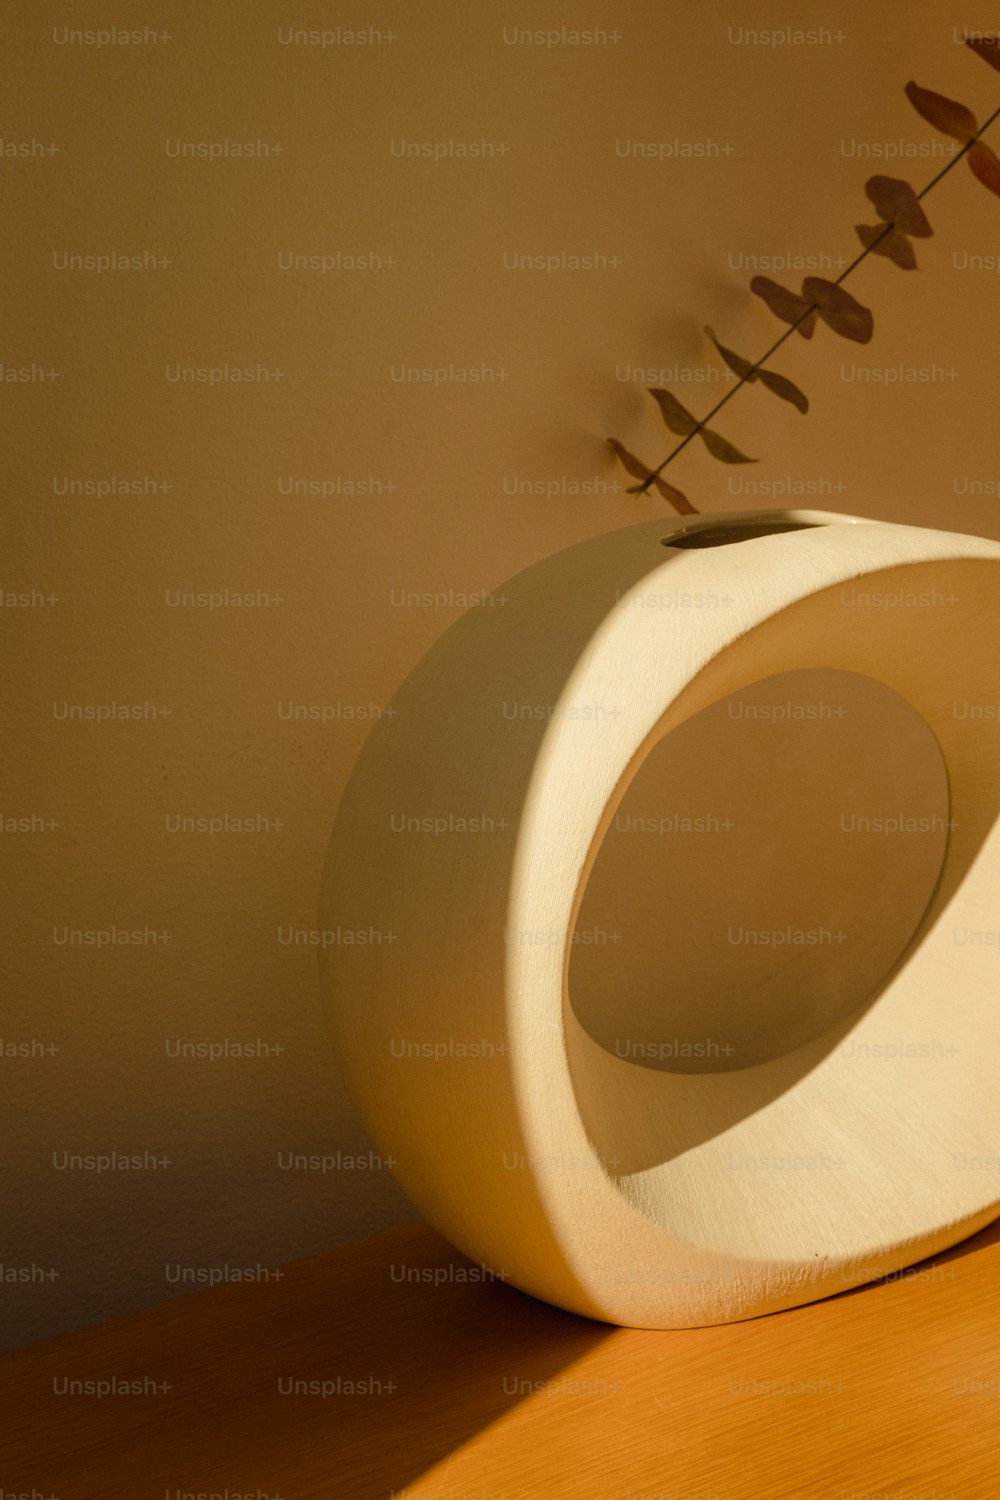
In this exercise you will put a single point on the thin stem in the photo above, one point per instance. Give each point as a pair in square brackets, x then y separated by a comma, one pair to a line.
[743, 379]
[730, 393]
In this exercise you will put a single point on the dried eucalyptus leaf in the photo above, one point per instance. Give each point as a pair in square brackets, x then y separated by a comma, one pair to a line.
[945, 114]
[986, 47]
[897, 203]
[739, 366]
[722, 449]
[838, 309]
[676, 416]
[785, 388]
[985, 164]
[894, 245]
[788, 306]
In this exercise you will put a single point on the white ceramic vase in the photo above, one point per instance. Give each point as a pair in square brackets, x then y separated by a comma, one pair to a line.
[662, 916]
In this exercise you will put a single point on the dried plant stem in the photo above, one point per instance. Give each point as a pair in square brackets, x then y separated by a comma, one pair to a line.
[742, 380]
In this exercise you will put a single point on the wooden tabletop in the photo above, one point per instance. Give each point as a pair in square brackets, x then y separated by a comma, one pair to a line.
[391, 1366]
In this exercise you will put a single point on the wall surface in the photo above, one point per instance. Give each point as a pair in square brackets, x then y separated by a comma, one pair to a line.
[212, 584]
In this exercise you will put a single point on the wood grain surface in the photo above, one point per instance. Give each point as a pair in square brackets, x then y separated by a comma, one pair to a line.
[465, 1389]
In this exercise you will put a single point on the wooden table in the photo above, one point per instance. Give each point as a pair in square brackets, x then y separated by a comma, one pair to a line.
[391, 1366]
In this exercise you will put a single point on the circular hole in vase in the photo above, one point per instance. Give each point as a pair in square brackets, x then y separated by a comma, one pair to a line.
[762, 874]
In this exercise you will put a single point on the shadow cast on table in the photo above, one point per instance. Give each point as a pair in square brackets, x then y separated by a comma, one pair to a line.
[354, 1374]
[462, 1354]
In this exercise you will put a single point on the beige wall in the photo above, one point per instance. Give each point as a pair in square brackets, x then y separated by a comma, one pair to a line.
[794, 121]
